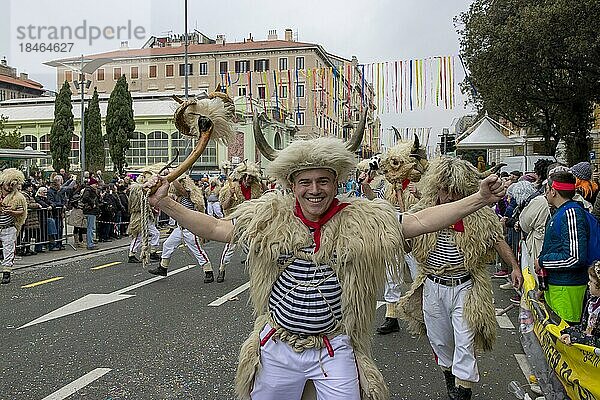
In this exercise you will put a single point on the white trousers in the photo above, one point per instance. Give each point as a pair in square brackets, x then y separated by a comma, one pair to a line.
[227, 254]
[137, 241]
[450, 337]
[179, 235]
[213, 208]
[8, 237]
[285, 372]
[392, 290]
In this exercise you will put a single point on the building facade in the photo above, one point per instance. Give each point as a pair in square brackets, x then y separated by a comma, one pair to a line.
[17, 87]
[323, 94]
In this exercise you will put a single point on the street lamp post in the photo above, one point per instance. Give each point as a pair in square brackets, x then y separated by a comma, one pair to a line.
[84, 68]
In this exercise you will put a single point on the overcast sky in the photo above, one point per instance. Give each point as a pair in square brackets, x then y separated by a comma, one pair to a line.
[373, 31]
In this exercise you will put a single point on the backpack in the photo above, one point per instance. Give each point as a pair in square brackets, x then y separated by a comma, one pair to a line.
[593, 247]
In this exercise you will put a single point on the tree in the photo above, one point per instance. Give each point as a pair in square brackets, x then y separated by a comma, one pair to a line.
[9, 140]
[119, 123]
[94, 143]
[62, 129]
[537, 64]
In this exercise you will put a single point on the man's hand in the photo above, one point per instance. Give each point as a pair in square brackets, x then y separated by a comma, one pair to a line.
[516, 277]
[162, 191]
[536, 264]
[491, 189]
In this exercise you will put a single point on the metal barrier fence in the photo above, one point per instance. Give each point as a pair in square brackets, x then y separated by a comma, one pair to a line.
[48, 229]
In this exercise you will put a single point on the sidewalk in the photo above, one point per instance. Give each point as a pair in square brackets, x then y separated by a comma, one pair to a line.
[50, 257]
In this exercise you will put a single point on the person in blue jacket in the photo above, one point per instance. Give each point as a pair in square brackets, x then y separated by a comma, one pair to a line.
[563, 255]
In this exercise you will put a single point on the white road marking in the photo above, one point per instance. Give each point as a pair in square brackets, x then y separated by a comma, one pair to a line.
[503, 321]
[379, 304]
[524, 365]
[77, 384]
[223, 299]
[94, 300]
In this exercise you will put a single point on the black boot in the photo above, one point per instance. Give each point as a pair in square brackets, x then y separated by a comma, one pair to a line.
[154, 256]
[389, 325]
[450, 385]
[160, 270]
[463, 393]
[133, 260]
[221, 276]
[5, 277]
[209, 277]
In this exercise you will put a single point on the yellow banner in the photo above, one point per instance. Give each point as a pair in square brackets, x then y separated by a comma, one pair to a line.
[576, 366]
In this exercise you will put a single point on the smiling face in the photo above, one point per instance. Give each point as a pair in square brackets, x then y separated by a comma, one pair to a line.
[315, 189]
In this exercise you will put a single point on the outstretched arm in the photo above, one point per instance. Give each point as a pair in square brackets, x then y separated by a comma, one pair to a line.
[200, 224]
[435, 218]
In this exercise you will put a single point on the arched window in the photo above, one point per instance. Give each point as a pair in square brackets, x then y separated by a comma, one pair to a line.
[29, 140]
[209, 156]
[136, 155]
[74, 156]
[45, 147]
[277, 141]
[185, 144]
[158, 147]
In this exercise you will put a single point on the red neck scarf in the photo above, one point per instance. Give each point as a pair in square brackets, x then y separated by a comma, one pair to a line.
[335, 207]
[405, 183]
[246, 191]
[458, 226]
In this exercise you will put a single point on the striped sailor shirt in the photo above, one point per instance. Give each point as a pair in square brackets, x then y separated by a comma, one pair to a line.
[445, 252]
[306, 298]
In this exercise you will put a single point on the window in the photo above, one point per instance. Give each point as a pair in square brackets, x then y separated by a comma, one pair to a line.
[134, 72]
[116, 73]
[203, 68]
[299, 62]
[74, 156]
[100, 74]
[242, 66]
[242, 90]
[277, 141]
[158, 147]
[69, 76]
[262, 92]
[29, 140]
[182, 70]
[45, 147]
[169, 70]
[283, 93]
[223, 67]
[136, 155]
[261, 65]
[152, 71]
[300, 118]
[283, 64]
[299, 90]
[209, 156]
[180, 142]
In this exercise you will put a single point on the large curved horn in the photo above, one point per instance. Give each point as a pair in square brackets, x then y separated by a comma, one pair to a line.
[492, 170]
[416, 144]
[262, 144]
[354, 143]
[396, 133]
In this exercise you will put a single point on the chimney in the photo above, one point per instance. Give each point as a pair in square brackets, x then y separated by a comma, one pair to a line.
[220, 39]
[124, 45]
[272, 34]
[23, 76]
[250, 38]
[288, 35]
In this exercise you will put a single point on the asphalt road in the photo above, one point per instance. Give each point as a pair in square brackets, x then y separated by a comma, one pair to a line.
[160, 339]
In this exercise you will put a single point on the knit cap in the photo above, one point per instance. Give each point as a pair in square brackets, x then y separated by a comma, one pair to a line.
[582, 170]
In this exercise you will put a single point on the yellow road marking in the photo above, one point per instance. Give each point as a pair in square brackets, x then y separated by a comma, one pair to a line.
[58, 278]
[106, 265]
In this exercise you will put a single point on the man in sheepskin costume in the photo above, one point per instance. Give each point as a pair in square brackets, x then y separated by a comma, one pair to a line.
[244, 184]
[452, 294]
[316, 265]
[190, 196]
[13, 213]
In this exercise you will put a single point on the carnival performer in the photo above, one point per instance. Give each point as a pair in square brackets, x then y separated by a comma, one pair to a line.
[211, 192]
[401, 167]
[452, 295]
[316, 265]
[13, 213]
[244, 184]
[135, 221]
[190, 196]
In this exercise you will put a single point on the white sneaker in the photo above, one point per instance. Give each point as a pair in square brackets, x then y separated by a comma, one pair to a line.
[507, 286]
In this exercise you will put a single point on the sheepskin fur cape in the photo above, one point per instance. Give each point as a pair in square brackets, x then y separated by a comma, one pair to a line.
[135, 210]
[15, 199]
[232, 189]
[482, 230]
[268, 227]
